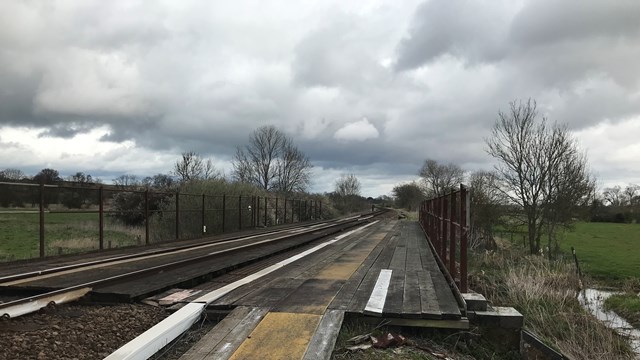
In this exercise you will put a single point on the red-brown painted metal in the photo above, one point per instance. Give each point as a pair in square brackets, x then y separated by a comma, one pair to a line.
[444, 220]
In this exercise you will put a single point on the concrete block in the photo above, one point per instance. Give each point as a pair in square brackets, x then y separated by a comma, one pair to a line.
[498, 316]
[475, 301]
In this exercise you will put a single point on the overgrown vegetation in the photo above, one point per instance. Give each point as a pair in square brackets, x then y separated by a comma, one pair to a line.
[545, 293]
[422, 343]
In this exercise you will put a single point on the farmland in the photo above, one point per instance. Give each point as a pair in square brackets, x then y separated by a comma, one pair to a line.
[606, 251]
[64, 233]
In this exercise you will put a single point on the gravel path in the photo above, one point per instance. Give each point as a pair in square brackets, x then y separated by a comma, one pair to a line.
[75, 331]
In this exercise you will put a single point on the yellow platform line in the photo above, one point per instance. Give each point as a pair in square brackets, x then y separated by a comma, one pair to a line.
[279, 336]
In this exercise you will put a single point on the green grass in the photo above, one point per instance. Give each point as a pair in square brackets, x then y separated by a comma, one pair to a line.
[626, 305]
[605, 250]
[64, 233]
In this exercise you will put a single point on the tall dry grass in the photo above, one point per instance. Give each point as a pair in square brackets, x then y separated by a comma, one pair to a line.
[546, 294]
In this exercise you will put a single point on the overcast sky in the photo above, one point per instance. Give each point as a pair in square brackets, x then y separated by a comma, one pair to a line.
[365, 87]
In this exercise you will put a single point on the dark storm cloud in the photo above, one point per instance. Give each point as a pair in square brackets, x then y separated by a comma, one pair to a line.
[373, 88]
[549, 50]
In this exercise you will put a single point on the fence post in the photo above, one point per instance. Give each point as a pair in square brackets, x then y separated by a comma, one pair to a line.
[464, 204]
[265, 211]
[321, 209]
[204, 229]
[276, 211]
[285, 211]
[101, 218]
[178, 215]
[224, 214]
[146, 217]
[42, 219]
[255, 219]
[239, 212]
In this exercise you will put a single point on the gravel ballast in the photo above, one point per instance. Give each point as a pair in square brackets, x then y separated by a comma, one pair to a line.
[75, 331]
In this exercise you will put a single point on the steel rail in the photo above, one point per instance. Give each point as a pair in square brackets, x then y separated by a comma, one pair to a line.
[13, 307]
[151, 253]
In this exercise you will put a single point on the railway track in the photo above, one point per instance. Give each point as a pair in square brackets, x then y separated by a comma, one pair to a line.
[117, 269]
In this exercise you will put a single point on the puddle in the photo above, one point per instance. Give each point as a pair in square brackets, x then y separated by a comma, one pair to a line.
[593, 301]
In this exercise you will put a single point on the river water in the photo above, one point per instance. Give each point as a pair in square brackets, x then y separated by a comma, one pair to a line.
[593, 301]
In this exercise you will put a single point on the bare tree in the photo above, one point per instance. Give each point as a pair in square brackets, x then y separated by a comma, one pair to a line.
[348, 185]
[11, 174]
[487, 208]
[124, 181]
[271, 161]
[292, 169]
[631, 194]
[440, 179]
[614, 196]
[191, 166]
[540, 168]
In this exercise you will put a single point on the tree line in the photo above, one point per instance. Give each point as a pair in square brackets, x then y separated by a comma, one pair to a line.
[268, 164]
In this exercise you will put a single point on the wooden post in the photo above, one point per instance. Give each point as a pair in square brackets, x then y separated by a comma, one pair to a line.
[101, 218]
[224, 206]
[42, 219]
[178, 215]
[255, 215]
[203, 216]
[265, 210]
[239, 212]
[146, 217]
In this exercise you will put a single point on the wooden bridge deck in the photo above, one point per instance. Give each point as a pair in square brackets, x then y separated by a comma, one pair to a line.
[303, 304]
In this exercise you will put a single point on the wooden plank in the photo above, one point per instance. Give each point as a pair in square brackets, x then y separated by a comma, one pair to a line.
[443, 295]
[324, 339]
[361, 296]
[378, 296]
[411, 304]
[395, 295]
[399, 259]
[206, 344]
[225, 348]
[446, 301]
[346, 293]
[426, 323]
[311, 297]
[270, 296]
[428, 299]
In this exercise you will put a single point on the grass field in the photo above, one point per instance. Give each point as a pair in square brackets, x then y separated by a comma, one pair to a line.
[605, 250]
[64, 233]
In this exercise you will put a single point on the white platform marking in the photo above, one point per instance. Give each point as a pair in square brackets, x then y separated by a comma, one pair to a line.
[379, 294]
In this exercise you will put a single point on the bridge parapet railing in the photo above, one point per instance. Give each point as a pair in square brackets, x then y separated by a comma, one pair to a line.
[445, 221]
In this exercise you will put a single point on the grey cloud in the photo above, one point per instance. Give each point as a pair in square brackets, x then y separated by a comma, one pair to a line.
[430, 78]
[548, 21]
[468, 29]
